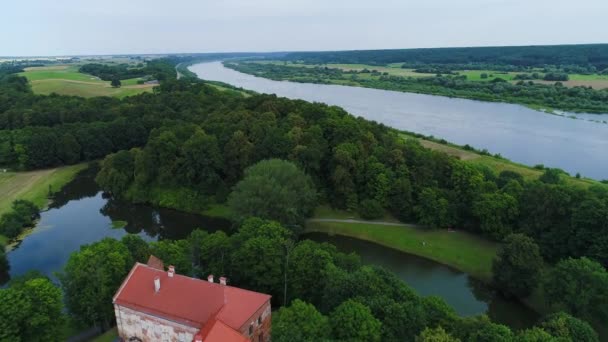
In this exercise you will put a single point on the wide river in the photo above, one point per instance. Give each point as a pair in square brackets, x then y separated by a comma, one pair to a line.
[516, 132]
[81, 215]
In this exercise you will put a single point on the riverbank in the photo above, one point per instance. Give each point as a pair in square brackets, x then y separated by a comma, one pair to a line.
[458, 249]
[33, 186]
[496, 164]
[494, 89]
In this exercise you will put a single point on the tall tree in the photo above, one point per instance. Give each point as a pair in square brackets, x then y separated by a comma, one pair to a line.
[300, 322]
[353, 321]
[90, 278]
[517, 266]
[276, 190]
[580, 287]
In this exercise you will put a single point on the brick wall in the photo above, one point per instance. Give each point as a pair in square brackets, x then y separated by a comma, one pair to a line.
[261, 332]
[146, 327]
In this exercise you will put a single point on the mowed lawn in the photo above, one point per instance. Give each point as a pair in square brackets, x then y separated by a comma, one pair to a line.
[34, 185]
[66, 80]
[461, 250]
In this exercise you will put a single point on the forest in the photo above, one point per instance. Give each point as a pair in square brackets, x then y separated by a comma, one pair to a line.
[549, 96]
[106, 72]
[592, 57]
[189, 145]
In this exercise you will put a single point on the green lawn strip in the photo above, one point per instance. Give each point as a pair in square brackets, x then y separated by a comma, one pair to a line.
[34, 186]
[461, 250]
[218, 210]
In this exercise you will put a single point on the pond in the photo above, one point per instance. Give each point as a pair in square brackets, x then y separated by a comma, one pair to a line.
[516, 132]
[80, 214]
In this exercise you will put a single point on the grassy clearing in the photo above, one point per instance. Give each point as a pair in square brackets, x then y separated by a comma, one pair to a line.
[66, 80]
[461, 250]
[327, 212]
[34, 185]
[218, 210]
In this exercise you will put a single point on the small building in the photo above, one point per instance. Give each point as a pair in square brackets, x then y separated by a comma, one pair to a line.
[157, 305]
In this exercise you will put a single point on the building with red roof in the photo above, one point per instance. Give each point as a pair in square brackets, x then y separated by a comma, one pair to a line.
[157, 305]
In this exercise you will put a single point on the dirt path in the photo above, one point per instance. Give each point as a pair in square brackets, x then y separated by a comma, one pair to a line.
[382, 223]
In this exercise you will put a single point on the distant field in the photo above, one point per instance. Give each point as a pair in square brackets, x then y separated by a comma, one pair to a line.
[66, 80]
[394, 69]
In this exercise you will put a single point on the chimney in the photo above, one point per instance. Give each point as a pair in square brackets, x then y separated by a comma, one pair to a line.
[198, 338]
[171, 271]
[223, 280]
[210, 278]
[156, 284]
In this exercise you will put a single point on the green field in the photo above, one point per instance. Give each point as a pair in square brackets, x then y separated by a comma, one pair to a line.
[66, 80]
[34, 185]
[461, 250]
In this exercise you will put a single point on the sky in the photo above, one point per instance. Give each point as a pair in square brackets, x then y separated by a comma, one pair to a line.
[85, 27]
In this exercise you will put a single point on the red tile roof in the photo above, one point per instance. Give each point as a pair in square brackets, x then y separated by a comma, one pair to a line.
[217, 331]
[192, 302]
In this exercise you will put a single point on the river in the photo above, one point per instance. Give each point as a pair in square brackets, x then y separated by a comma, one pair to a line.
[80, 214]
[516, 132]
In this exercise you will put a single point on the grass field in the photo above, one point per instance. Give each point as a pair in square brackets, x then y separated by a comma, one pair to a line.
[34, 185]
[66, 80]
[461, 250]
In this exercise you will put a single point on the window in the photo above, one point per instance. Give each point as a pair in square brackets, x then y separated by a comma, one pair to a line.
[251, 329]
[260, 320]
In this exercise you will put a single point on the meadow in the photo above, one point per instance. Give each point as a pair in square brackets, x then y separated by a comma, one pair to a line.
[66, 80]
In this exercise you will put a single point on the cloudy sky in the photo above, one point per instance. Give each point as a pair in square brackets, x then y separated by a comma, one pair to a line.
[68, 27]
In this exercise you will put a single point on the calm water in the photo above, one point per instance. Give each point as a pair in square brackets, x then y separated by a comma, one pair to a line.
[466, 295]
[516, 132]
[81, 215]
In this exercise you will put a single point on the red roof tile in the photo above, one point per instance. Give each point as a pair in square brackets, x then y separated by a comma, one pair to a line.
[156, 263]
[217, 331]
[190, 301]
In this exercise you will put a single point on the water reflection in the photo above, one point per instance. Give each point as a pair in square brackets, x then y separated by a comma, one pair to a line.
[80, 214]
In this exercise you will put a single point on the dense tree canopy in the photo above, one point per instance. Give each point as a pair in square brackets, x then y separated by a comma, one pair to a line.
[90, 279]
[276, 190]
[518, 265]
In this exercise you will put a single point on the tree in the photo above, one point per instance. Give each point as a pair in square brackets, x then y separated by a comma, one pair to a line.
[517, 266]
[551, 176]
[138, 248]
[371, 209]
[534, 335]
[116, 174]
[580, 287]
[274, 189]
[31, 310]
[435, 335]
[176, 253]
[300, 322]
[353, 321]
[115, 83]
[496, 212]
[432, 209]
[566, 327]
[90, 279]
